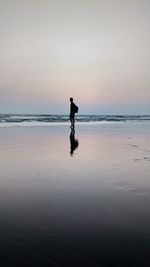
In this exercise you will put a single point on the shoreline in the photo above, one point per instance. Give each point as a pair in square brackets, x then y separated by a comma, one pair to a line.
[67, 123]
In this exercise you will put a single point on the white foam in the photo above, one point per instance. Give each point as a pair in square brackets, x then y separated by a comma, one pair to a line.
[45, 124]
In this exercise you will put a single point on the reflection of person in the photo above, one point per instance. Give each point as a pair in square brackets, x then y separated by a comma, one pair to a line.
[72, 112]
[73, 142]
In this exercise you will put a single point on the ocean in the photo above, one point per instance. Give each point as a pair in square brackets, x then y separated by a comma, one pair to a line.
[14, 120]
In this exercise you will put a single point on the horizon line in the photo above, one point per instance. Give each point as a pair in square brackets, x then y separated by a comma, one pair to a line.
[67, 114]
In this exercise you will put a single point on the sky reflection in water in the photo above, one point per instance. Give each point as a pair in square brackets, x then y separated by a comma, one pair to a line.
[90, 209]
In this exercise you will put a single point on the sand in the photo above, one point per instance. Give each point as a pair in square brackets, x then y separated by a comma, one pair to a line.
[89, 207]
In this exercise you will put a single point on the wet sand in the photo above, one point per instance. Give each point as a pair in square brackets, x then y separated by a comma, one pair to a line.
[90, 207]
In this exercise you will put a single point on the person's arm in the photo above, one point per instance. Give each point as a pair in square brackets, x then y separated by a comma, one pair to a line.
[70, 108]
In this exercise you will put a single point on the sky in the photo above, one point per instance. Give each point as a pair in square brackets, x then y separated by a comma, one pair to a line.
[96, 51]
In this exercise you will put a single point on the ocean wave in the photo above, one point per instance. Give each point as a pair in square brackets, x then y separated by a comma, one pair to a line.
[15, 120]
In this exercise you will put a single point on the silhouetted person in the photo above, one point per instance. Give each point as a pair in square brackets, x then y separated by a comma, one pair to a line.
[73, 110]
[73, 142]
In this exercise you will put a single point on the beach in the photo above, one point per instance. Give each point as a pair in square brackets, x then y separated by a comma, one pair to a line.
[77, 198]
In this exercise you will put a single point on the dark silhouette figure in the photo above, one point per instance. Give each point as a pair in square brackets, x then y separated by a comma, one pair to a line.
[73, 142]
[73, 110]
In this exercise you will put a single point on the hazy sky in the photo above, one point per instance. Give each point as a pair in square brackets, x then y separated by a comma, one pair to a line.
[97, 51]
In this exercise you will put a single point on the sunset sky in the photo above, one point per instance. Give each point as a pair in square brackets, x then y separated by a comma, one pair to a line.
[97, 51]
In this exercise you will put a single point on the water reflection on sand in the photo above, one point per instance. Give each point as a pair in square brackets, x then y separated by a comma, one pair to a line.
[89, 210]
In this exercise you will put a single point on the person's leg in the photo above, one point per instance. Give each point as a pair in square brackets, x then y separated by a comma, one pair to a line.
[73, 121]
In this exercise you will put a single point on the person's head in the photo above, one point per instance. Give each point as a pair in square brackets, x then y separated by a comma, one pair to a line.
[71, 99]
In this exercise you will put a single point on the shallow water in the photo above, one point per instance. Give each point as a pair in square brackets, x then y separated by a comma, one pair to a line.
[87, 208]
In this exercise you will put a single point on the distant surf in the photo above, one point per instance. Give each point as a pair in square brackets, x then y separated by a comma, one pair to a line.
[12, 120]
